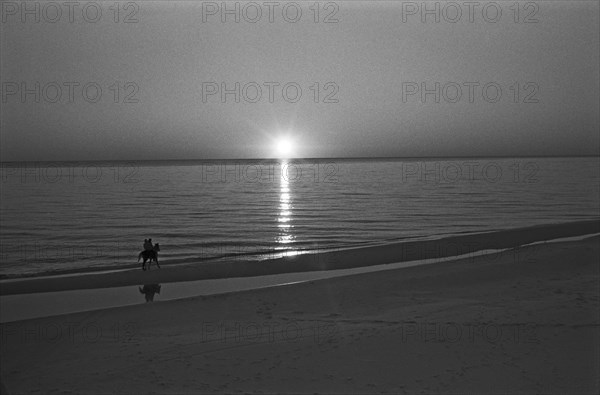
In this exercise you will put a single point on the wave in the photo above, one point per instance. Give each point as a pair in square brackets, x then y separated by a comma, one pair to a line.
[349, 256]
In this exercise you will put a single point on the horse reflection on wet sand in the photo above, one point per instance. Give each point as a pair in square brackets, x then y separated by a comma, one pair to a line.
[149, 255]
[149, 290]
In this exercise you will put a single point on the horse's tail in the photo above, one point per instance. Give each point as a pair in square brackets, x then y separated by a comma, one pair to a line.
[140, 256]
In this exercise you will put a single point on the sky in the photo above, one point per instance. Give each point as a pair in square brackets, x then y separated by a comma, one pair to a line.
[146, 82]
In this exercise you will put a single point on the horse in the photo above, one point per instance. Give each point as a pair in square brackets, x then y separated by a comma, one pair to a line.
[149, 291]
[149, 255]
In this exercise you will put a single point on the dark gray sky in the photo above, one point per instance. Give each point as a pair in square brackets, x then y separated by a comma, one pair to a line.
[369, 55]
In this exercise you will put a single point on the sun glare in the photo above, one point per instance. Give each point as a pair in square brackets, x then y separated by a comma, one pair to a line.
[284, 147]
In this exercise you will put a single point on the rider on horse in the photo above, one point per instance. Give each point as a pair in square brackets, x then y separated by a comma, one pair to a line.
[150, 253]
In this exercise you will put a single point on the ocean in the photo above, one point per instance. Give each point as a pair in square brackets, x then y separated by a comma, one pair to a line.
[81, 216]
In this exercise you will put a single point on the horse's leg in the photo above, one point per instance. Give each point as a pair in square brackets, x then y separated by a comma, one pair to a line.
[156, 260]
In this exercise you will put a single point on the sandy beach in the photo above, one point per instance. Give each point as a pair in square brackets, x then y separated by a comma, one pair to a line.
[338, 197]
[503, 323]
[405, 251]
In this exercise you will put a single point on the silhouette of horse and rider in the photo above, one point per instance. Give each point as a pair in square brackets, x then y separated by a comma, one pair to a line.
[150, 254]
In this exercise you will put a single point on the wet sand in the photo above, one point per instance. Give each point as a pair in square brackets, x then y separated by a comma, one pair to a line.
[334, 260]
[522, 321]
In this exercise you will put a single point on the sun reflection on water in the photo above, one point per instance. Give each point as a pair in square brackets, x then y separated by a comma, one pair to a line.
[284, 219]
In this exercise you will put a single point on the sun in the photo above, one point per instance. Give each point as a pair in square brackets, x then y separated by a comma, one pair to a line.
[284, 147]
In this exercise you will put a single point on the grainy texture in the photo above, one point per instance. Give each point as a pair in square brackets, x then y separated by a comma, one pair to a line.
[491, 324]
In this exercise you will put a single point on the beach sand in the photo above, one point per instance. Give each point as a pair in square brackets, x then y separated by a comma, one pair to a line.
[403, 251]
[504, 323]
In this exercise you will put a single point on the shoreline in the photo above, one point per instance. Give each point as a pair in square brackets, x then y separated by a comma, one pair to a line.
[27, 306]
[487, 324]
[407, 243]
[335, 260]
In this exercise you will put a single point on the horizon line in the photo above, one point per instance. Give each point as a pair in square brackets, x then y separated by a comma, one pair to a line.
[307, 158]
